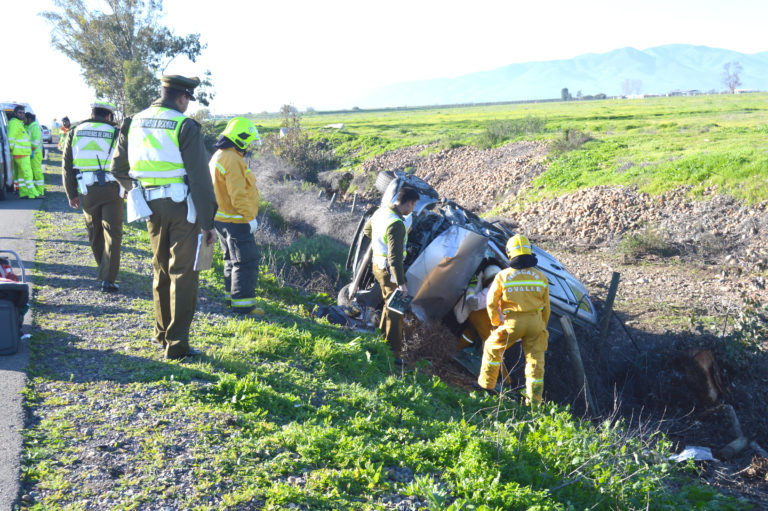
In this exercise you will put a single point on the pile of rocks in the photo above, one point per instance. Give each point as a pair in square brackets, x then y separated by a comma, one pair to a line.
[715, 228]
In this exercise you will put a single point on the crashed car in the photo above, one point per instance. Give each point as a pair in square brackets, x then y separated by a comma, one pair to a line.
[448, 246]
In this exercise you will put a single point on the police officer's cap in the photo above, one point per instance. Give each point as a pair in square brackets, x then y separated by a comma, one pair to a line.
[183, 83]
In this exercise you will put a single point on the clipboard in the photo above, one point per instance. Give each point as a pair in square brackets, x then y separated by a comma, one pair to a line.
[398, 302]
[203, 254]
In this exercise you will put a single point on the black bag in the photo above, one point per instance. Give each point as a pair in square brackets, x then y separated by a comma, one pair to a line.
[13, 305]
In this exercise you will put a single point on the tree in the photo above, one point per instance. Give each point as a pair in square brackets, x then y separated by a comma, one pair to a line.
[122, 51]
[731, 72]
[564, 94]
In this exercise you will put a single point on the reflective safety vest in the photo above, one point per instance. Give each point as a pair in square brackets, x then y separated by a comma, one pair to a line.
[92, 145]
[380, 222]
[35, 135]
[153, 147]
[18, 138]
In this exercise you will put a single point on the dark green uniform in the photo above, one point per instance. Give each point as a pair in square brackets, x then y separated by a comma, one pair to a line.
[173, 238]
[103, 211]
[389, 279]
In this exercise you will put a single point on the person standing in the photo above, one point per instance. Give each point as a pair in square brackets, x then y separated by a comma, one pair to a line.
[235, 221]
[87, 153]
[21, 151]
[521, 293]
[36, 158]
[388, 231]
[163, 151]
[65, 125]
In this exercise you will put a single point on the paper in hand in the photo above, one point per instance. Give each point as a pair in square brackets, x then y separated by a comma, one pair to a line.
[204, 254]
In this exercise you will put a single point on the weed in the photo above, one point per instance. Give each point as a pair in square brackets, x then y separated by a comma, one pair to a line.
[498, 131]
[571, 139]
[646, 242]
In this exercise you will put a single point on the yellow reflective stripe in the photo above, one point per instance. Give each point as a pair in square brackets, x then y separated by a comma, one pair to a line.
[524, 283]
[219, 214]
[243, 302]
[538, 381]
[221, 169]
[494, 363]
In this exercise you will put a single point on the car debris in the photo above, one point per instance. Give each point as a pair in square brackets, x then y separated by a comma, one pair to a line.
[448, 246]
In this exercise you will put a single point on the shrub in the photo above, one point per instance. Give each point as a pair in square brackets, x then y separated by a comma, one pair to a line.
[570, 140]
[646, 242]
[292, 144]
[498, 131]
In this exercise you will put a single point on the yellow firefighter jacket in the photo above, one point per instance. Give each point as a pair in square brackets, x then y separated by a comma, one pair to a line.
[235, 187]
[512, 291]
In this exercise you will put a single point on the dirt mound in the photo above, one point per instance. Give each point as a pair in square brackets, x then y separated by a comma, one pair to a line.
[475, 178]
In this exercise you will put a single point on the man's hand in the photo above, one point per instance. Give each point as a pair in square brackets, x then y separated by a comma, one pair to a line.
[210, 236]
[403, 288]
[74, 202]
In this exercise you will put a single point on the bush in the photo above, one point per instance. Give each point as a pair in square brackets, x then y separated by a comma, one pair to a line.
[570, 140]
[499, 131]
[646, 242]
[292, 144]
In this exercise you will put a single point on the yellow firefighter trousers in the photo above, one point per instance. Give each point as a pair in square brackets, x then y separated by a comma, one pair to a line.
[530, 327]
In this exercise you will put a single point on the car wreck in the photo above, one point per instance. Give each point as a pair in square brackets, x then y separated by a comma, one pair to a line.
[448, 246]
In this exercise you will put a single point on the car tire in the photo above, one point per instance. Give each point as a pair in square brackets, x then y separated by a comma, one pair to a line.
[343, 298]
[383, 179]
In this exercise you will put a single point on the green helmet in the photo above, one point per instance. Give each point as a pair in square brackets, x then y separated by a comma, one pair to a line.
[241, 132]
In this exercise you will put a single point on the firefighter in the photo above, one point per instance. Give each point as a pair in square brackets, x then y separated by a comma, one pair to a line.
[36, 158]
[238, 198]
[87, 153]
[21, 151]
[163, 151]
[63, 132]
[521, 293]
[388, 231]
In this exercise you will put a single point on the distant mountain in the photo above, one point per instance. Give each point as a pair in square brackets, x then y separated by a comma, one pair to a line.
[653, 71]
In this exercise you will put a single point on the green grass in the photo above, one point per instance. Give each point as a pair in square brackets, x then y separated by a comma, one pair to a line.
[292, 398]
[656, 144]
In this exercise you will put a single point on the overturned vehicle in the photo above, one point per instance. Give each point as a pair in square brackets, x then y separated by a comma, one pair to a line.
[447, 248]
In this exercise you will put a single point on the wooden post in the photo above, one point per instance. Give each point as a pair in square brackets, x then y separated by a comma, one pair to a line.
[605, 322]
[333, 199]
[578, 364]
[354, 202]
[319, 194]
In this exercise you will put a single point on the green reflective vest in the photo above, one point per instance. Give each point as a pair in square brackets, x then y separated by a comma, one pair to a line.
[380, 222]
[35, 135]
[18, 138]
[92, 145]
[153, 147]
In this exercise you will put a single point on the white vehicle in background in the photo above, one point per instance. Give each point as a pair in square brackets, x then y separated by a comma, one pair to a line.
[6, 165]
[47, 137]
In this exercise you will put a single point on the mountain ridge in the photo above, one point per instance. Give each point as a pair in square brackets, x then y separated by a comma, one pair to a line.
[655, 70]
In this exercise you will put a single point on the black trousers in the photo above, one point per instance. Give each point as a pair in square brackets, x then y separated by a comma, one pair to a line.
[241, 263]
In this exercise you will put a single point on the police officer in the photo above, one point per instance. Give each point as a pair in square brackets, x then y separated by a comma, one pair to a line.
[388, 230]
[521, 293]
[36, 158]
[161, 151]
[65, 125]
[238, 198]
[21, 151]
[87, 153]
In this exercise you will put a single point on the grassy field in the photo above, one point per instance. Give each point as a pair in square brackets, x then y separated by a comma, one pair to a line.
[656, 143]
[289, 413]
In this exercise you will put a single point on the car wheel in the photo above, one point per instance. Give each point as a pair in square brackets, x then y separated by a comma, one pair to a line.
[383, 179]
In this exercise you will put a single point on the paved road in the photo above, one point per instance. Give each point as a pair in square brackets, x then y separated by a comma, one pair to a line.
[17, 233]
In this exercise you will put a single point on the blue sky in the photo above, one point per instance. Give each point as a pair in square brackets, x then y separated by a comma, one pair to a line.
[327, 54]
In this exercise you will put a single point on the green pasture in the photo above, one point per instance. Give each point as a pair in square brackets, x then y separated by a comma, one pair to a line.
[656, 144]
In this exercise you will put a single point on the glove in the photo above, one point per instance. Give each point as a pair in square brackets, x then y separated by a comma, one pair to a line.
[254, 225]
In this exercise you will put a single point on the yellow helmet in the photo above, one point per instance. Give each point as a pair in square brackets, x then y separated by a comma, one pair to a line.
[241, 132]
[518, 245]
